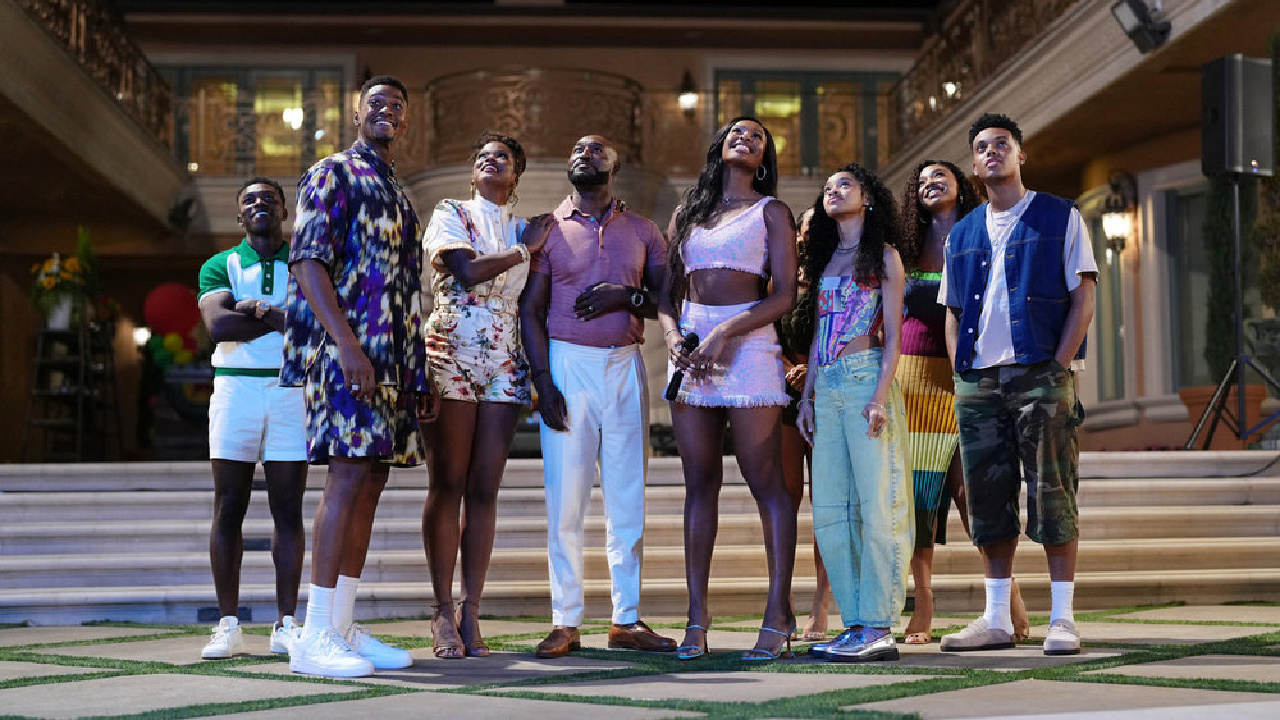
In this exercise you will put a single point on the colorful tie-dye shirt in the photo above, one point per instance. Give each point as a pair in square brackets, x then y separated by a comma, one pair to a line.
[355, 219]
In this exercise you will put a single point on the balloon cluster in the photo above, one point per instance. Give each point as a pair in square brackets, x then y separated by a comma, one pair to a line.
[174, 317]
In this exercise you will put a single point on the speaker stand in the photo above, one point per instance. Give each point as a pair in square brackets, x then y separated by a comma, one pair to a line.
[1217, 410]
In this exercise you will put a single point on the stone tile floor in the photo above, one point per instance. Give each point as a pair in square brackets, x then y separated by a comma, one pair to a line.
[1146, 663]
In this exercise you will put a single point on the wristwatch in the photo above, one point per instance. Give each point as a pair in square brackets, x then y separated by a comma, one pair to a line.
[637, 298]
[263, 308]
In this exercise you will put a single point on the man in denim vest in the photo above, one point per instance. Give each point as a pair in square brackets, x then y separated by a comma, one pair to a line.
[1019, 281]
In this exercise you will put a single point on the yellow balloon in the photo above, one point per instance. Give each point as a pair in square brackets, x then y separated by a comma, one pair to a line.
[182, 357]
[173, 343]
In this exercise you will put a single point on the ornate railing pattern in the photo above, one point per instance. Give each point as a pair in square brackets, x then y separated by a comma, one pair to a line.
[97, 39]
[547, 109]
[975, 40]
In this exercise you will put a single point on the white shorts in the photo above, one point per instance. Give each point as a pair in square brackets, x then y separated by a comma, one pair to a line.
[253, 419]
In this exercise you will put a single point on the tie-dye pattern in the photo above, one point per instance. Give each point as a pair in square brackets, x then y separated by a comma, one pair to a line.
[355, 219]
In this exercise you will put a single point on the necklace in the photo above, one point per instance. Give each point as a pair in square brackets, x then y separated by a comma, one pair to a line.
[731, 200]
[845, 250]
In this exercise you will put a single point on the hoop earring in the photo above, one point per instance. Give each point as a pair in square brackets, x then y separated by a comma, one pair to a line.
[870, 208]
[761, 173]
[513, 198]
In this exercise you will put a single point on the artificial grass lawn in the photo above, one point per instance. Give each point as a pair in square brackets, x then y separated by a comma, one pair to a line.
[817, 705]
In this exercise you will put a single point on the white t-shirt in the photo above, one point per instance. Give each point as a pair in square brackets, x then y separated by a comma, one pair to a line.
[994, 345]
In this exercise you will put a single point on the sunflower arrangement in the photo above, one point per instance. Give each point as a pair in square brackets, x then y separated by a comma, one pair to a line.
[58, 277]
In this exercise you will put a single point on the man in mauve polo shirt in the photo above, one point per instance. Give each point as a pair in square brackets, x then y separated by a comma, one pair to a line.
[582, 316]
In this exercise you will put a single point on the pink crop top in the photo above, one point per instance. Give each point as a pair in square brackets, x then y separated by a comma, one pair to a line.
[739, 244]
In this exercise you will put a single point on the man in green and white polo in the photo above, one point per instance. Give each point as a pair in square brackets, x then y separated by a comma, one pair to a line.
[251, 418]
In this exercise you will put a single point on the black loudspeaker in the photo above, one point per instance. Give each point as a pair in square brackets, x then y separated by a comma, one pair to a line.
[1238, 116]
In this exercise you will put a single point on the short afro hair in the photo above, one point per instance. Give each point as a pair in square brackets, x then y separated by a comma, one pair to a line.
[260, 180]
[377, 80]
[995, 120]
[517, 152]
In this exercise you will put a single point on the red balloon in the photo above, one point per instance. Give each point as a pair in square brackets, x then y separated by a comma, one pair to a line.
[171, 308]
[189, 342]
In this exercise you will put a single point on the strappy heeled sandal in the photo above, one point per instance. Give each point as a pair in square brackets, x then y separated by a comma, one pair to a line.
[475, 647]
[445, 648]
[761, 655]
[690, 652]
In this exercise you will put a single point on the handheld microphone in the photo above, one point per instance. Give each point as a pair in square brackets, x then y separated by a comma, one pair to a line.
[673, 388]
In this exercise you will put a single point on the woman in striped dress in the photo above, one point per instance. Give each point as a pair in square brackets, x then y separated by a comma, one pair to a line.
[938, 194]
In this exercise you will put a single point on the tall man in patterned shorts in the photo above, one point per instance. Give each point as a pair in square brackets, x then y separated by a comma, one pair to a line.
[1019, 281]
[354, 342]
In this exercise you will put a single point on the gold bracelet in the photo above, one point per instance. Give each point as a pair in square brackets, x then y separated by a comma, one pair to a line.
[524, 252]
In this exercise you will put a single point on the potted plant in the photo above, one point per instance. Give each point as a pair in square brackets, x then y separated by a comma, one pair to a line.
[59, 290]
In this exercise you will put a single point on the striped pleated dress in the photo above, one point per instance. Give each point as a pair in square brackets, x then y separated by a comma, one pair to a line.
[925, 375]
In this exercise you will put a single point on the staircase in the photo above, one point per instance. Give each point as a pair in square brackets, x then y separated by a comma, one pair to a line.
[129, 541]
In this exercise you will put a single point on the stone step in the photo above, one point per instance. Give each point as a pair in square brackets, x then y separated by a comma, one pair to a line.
[660, 563]
[20, 508]
[138, 476]
[743, 527]
[729, 596]
[96, 506]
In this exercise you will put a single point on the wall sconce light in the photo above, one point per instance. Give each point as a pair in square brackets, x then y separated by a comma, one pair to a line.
[141, 335]
[688, 95]
[951, 89]
[1143, 25]
[1117, 210]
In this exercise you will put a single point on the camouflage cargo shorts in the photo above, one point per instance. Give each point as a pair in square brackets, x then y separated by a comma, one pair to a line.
[1020, 422]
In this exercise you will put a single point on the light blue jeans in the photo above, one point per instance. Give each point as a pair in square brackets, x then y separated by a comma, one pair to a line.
[863, 515]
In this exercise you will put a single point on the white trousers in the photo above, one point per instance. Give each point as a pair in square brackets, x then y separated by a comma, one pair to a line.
[607, 401]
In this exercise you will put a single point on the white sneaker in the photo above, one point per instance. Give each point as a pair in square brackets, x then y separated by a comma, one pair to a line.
[1062, 638]
[327, 654]
[283, 634]
[382, 655]
[227, 640]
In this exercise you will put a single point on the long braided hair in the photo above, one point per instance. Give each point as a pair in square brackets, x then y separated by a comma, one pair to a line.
[704, 199]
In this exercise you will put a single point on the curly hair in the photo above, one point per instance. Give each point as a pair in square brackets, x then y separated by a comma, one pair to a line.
[517, 151]
[915, 218]
[703, 199]
[995, 120]
[879, 228]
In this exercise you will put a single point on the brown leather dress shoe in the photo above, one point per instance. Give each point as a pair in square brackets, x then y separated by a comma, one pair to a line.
[638, 636]
[559, 643]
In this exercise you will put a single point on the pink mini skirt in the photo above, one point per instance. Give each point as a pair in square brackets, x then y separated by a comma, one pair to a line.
[749, 372]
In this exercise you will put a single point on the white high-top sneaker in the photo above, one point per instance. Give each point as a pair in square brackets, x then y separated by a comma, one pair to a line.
[283, 634]
[227, 640]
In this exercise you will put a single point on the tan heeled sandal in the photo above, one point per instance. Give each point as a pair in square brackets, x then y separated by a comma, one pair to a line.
[475, 647]
[444, 647]
[912, 635]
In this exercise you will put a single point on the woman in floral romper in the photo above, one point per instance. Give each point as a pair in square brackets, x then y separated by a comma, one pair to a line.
[473, 344]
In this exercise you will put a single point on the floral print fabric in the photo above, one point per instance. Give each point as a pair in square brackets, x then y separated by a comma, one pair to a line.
[473, 335]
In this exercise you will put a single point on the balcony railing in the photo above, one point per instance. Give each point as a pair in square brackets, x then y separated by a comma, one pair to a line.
[96, 38]
[975, 41]
[546, 109]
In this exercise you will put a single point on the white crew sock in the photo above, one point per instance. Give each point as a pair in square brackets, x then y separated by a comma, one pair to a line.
[997, 613]
[1063, 594]
[319, 611]
[344, 603]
